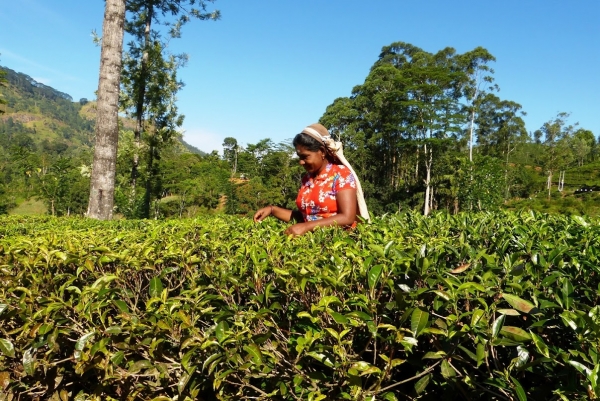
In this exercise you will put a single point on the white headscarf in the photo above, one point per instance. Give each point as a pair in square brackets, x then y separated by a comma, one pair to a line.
[320, 133]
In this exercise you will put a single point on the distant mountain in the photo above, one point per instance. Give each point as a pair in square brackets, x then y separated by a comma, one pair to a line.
[39, 116]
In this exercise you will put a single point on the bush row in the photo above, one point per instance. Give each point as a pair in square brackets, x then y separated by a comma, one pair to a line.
[471, 306]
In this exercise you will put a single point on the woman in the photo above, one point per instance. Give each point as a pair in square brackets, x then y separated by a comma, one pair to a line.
[330, 193]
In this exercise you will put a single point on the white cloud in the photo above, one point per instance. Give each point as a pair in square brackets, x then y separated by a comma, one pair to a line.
[204, 140]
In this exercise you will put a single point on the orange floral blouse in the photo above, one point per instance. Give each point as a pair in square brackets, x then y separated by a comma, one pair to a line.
[317, 196]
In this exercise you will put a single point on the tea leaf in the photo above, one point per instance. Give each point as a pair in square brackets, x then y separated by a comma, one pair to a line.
[422, 384]
[515, 333]
[447, 370]
[497, 325]
[460, 268]
[418, 321]
[374, 274]
[7, 348]
[519, 389]
[539, 344]
[29, 362]
[518, 303]
[156, 287]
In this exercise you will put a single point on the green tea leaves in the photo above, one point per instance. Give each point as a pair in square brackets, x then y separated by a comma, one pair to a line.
[7, 347]
[418, 321]
[518, 303]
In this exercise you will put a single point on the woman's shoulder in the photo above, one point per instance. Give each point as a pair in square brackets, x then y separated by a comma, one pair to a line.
[341, 170]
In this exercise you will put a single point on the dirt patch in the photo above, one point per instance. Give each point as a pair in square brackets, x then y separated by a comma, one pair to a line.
[22, 118]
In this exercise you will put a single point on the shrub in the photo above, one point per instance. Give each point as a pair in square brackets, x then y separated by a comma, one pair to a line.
[470, 306]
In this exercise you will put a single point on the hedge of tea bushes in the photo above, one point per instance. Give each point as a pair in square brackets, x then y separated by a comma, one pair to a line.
[470, 306]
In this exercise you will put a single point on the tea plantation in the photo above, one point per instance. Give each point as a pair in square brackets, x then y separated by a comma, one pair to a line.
[447, 307]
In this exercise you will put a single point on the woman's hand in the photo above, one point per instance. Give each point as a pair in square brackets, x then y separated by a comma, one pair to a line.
[297, 229]
[262, 213]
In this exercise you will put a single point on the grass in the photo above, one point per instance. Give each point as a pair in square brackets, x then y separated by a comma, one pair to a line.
[569, 204]
[29, 207]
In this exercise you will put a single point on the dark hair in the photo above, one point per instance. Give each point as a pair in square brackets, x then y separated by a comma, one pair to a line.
[308, 142]
[313, 145]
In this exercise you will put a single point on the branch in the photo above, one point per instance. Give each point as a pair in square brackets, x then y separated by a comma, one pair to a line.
[423, 373]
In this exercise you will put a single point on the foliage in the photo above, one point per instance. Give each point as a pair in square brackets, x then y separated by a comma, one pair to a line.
[406, 130]
[467, 306]
[149, 81]
[587, 204]
[3, 82]
[32, 100]
[263, 173]
[480, 183]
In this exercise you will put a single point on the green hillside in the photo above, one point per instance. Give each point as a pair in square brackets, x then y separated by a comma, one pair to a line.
[40, 117]
[44, 118]
[46, 136]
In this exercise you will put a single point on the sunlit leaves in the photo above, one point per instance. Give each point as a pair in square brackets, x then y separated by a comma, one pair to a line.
[418, 321]
[497, 325]
[200, 306]
[518, 303]
[7, 347]
[156, 287]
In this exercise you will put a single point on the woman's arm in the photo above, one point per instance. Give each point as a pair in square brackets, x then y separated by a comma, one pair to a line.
[281, 213]
[346, 216]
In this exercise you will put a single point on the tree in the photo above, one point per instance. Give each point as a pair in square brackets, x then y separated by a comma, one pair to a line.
[3, 82]
[474, 63]
[230, 153]
[147, 65]
[583, 144]
[557, 154]
[500, 130]
[500, 126]
[61, 188]
[102, 184]
[480, 188]
[407, 108]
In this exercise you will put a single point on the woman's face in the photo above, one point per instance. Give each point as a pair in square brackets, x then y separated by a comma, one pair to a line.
[313, 162]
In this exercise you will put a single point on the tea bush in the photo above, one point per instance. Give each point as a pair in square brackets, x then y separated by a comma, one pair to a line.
[470, 306]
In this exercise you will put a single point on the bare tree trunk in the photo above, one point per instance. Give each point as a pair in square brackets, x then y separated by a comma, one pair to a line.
[428, 162]
[102, 183]
[431, 196]
[471, 133]
[417, 166]
[561, 181]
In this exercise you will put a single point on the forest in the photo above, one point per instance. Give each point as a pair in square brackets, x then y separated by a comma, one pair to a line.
[424, 131]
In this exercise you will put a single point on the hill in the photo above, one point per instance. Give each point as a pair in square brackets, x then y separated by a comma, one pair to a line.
[46, 149]
[42, 118]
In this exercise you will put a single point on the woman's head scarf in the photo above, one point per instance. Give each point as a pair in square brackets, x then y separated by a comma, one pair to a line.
[320, 133]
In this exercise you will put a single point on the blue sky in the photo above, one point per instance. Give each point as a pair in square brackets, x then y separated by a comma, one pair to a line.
[270, 67]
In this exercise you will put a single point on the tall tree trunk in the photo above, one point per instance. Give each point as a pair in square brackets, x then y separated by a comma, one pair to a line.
[417, 165]
[472, 124]
[102, 184]
[506, 183]
[428, 154]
